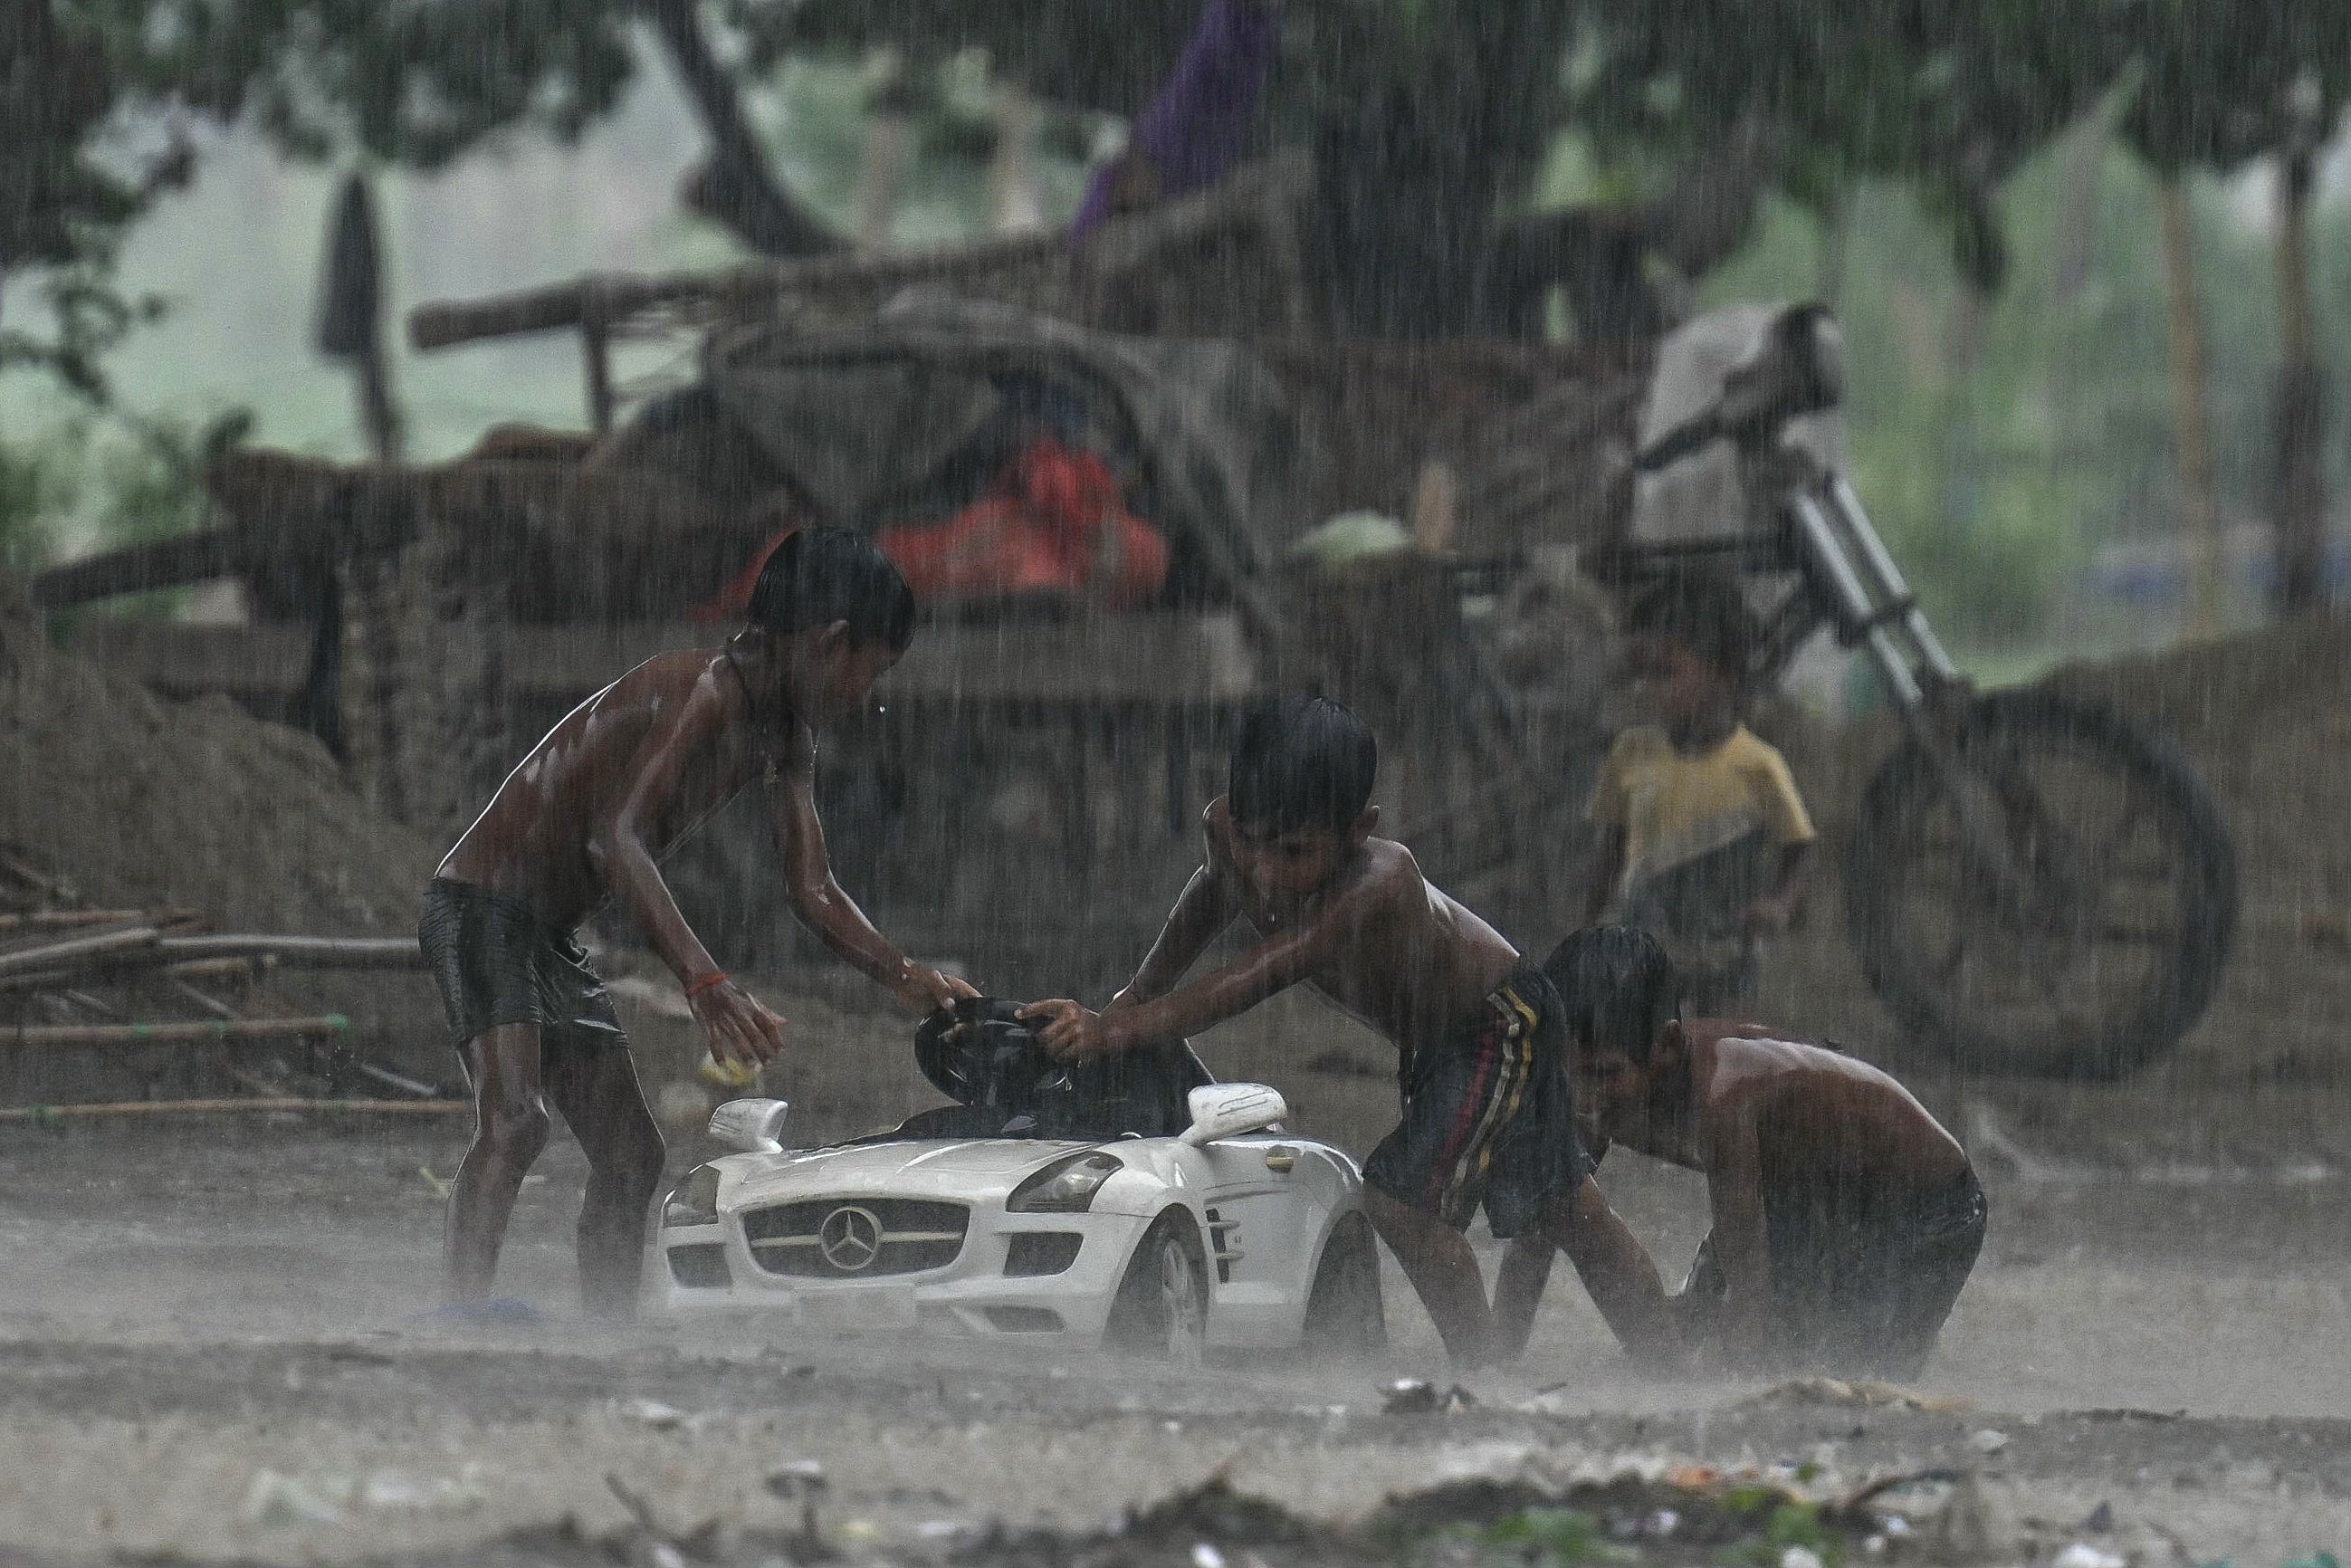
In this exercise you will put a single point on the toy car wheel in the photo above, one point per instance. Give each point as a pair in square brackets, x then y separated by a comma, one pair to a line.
[1345, 1320]
[1161, 1311]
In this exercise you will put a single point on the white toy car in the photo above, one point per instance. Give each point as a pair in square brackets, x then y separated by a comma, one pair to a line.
[1227, 1233]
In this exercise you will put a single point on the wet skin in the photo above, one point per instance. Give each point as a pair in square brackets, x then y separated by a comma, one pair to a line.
[1766, 1120]
[588, 815]
[1353, 917]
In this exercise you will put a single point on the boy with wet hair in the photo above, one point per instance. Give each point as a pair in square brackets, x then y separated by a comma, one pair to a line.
[1488, 1117]
[1846, 1218]
[586, 818]
[1705, 840]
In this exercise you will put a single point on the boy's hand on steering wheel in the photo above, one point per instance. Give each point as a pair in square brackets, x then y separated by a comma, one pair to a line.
[926, 990]
[1072, 1031]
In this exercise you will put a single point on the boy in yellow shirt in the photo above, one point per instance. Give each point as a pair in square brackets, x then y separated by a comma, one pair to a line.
[1705, 842]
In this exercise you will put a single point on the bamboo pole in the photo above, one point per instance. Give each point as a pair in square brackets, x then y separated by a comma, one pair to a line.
[178, 1032]
[299, 952]
[61, 919]
[77, 951]
[46, 1115]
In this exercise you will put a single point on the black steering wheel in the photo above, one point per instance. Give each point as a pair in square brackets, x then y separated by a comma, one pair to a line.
[977, 1053]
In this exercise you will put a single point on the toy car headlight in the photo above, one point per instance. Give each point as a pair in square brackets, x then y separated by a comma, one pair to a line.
[1065, 1186]
[696, 1201]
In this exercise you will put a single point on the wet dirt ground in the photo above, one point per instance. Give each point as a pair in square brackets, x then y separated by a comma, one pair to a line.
[210, 1348]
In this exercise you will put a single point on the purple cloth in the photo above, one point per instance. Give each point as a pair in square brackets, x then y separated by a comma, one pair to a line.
[1192, 131]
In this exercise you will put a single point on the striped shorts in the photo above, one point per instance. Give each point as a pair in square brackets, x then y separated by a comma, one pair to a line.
[1488, 1118]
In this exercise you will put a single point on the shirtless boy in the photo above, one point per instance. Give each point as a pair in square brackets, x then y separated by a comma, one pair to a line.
[1846, 1218]
[587, 816]
[1487, 1111]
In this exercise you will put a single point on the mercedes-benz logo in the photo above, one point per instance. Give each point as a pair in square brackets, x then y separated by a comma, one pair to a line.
[849, 1239]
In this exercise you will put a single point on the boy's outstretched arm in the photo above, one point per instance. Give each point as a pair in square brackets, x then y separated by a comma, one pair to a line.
[1776, 909]
[824, 908]
[1274, 964]
[1202, 911]
[1616, 1270]
[740, 1029]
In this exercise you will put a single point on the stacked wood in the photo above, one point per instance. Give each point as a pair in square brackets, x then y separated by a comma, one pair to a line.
[155, 993]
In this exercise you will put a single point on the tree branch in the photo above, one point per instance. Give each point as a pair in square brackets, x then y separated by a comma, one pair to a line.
[734, 187]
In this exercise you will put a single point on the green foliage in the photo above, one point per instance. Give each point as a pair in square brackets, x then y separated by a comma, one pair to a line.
[91, 485]
[36, 490]
[1536, 1537]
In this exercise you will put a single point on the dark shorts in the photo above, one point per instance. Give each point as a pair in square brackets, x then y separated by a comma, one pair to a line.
[1488, 1118]
[496, 962]
[1864, 1292]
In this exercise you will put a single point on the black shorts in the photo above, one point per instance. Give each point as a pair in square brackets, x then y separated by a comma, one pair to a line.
[496, 962]
[1488, 1118]
[1864, 1292]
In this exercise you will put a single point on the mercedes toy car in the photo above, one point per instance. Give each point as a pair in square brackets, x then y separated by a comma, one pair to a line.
[1141, 1208]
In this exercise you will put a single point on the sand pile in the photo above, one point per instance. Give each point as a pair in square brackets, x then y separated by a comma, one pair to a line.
[2266, 719]
[134, 801]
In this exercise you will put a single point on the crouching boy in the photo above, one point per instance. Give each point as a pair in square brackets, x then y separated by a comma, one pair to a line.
[1487, 1111]
[1846, 1218]
[586, 817]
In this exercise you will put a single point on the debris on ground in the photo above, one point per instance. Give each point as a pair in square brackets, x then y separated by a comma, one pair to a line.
[1834, 1391]
[1418, 1396]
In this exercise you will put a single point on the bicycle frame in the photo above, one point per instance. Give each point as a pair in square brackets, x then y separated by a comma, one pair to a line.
[1846, 579]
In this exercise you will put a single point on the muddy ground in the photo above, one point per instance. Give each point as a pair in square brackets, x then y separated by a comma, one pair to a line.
[210, 1348]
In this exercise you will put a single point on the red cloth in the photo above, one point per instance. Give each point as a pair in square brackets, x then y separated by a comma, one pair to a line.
[1053, 522]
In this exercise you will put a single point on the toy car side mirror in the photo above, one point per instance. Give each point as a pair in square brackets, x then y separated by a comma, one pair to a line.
[752, 1126]
[1229, 1109]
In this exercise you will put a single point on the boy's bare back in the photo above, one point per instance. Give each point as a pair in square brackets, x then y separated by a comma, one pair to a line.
[538, 840]
[1820, 1122]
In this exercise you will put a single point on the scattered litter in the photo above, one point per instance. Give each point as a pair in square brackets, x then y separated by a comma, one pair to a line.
[2082, 1554]
[274, 1499]
[440, 1185]
[2101, 1520]
[1863, 1391]
[390, 1492]
[940, 1529]
[1418, 1396]
[278, 1499]
[1800, 1557]
[652, 1413]
[797, 1478]
[1662, 1523]
[1986, 1440]
[1204, 1555]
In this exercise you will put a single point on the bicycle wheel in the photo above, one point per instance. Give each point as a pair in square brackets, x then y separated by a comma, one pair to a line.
[2059, 902]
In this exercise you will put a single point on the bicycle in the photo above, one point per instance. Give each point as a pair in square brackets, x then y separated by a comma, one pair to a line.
[2031, 882]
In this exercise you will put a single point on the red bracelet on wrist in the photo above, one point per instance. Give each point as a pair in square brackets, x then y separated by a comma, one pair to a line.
[696, 988]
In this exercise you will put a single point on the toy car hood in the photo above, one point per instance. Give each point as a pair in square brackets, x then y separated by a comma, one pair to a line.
[958, 1170]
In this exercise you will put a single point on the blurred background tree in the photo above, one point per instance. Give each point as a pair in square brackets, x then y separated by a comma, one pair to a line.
[1948, 176]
